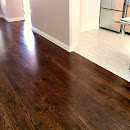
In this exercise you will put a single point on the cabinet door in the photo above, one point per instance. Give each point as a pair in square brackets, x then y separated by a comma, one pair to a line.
[127, 28]
[118, 4]
[106, 4]
[107, 19]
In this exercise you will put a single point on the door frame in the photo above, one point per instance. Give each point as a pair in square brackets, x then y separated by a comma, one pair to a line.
[28, 12]
[74, 22]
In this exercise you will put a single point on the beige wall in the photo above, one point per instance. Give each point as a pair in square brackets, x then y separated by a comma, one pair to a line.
[15, 8]
[12, 8]
[90, 14]
[52, 18]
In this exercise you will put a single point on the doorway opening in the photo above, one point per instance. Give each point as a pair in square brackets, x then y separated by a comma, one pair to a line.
[26, 5]
[27, 10]
[106, 48]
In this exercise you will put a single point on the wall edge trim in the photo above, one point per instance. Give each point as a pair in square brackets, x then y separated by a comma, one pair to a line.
[12, 19]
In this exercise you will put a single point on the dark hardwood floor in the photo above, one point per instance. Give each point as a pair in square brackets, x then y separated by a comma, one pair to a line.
[44, 87]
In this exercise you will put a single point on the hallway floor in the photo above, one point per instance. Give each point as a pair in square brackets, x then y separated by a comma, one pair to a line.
[43, 87]
[107, 49]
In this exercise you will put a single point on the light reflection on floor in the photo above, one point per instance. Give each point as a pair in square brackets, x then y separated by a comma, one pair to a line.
[2, 47]
[29, 41]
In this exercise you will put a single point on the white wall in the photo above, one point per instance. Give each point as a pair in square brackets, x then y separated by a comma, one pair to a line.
[90, 14]
[84, 15]
[75, 17]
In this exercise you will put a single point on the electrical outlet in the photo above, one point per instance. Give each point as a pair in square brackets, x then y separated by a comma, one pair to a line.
[45, 26]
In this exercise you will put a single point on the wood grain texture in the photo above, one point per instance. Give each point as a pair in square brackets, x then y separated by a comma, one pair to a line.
[44, 87]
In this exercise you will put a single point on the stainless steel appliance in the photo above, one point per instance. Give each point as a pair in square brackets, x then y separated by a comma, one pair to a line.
[110, 11]
[127, 28]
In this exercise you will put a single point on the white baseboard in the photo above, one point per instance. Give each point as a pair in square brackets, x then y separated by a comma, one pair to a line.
[16, 19]
[52, 39]
[89, 29]
[12, 19]
[5, 18]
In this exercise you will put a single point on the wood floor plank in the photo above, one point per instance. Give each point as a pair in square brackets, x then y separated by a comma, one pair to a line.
[44, 87]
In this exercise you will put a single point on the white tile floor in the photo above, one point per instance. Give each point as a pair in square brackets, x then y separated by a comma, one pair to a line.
[107, 49]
